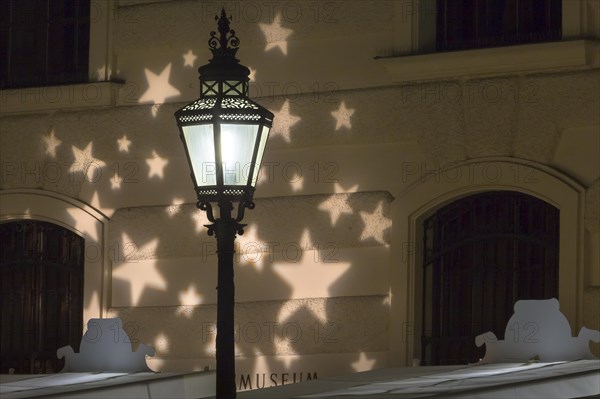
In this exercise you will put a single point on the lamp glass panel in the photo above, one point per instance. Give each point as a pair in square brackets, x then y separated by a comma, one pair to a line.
[237, 148]
[259, 155]
[201, 147]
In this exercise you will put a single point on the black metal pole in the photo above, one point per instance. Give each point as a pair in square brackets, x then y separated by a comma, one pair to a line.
[225, 228]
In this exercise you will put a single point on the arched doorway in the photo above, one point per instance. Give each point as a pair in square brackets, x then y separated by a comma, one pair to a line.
[41, 308]
[481, 254]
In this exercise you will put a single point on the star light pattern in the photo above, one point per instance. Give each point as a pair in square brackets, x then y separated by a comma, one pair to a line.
[363, 363]
[159, 88]
[104, 73]
[337, 209]
[342, 116]
[124, 144]
[190, 296]
[252, 75]
[157, 165]
[200, 219]
[146, 273]
[115, 181]
[303, 273]
[283, 121]
[375, 224]
[276, 35]
[175, 206]
[51, 143]
[86, 163]
[189, 58]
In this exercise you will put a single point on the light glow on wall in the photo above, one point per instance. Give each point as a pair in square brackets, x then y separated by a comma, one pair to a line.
[51, 143]
[276, 35]
[342, 116]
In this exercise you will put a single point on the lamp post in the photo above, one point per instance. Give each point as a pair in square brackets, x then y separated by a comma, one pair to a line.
[224, 134]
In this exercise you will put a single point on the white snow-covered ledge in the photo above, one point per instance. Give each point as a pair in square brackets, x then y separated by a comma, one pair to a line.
[538, 57]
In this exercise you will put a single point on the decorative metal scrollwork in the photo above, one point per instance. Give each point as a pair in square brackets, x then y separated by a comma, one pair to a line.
[227, 39]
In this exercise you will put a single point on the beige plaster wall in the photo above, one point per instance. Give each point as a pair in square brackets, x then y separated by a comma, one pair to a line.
[324, 185]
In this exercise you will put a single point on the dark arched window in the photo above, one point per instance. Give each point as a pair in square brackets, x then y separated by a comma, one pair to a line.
[41, 308]
[481, 254]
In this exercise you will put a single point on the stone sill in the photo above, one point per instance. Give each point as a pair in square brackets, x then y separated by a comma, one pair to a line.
[527, 58]
[53, 98]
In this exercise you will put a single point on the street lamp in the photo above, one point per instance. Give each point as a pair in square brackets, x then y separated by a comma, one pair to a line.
[224, 134]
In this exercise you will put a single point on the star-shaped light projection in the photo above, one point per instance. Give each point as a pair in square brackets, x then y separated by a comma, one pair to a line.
[124, 144]
[157, 165]
[159, 88]
[189, 58]
[115, 181]
[161, 343]
[251, 248]
[190, 297]
[102, 73]
[342, 116]
[175, 206]
[51, 143]
[86, 163]
[375, 224]
[284, 120]
[336, 209]
[337, 188]
[363, 363]
[307, 276]
[275, 34]
[297, 183]
[252, 74]
[200, 219]
[133, 266]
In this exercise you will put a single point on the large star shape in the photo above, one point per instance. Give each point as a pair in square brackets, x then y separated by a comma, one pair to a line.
[308, 277]
[336, 209]
[275, 34]
[284, 120]
[140, 275]
[86, 163]
[159, 88]
[51, 143]
[189, 58]
[342, 116]
[123, 144]
[157, 165]
[375, 224]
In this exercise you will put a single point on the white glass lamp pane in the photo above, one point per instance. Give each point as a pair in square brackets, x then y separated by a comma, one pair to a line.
[201, 147]
[259, 155]
[237, 147]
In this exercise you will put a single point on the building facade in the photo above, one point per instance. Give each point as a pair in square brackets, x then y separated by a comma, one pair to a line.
[393, 164]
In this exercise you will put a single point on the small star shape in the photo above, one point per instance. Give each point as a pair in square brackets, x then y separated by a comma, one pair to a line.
[336, 209]
[363, 363]
[84, 160]
[157, 165]
[159, 88]
[116, 181]
[124, 144]
[275, 34]
[189, 58]
[342, 116]
[284, 120]
[375, 224]
[51, 143]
